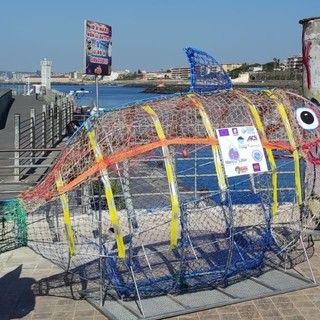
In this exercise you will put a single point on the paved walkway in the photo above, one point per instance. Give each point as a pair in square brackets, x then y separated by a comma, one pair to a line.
[20, 105]
[33, 288]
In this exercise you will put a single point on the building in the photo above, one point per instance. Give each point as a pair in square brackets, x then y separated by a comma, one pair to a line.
[180, 73]
[230, 66]
[76, 75]
[257, 69]
[243, 78]
[294, 62]
[184, 73]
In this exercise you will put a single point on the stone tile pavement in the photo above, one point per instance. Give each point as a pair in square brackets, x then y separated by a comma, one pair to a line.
[33, 288]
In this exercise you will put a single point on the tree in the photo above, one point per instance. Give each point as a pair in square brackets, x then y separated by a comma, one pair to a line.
[276, 63]
[268, 67]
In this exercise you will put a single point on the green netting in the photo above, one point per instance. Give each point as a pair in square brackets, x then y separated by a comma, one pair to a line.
[13, 226]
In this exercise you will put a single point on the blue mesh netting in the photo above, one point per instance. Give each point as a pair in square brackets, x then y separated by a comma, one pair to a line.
[206, 73]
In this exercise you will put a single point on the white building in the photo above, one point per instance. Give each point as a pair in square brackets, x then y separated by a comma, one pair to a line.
[294, 62]
[243, 78]
[257, 69]
[46, 73]
[113, 76]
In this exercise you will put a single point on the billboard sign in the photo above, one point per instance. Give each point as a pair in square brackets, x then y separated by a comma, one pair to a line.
[97, 48]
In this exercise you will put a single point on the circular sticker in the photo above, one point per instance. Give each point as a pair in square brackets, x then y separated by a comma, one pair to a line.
[257, 155]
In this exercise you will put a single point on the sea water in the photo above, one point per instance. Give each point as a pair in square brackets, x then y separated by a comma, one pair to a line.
[109, 97]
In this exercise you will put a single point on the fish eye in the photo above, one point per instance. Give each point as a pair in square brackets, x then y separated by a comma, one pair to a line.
[307, 118]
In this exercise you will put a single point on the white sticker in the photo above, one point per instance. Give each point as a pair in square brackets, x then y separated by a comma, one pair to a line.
[242, 151]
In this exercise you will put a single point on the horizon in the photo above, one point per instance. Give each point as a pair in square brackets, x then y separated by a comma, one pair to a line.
[150, 35]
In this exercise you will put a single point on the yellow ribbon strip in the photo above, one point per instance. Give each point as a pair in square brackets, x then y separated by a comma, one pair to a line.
[66, 215]
[175, 210]
[288, 128]
[273, 165]
[108, 193]
[215, 148]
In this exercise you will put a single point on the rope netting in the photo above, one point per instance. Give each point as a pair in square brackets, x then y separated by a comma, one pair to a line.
[145, 188]
[13, 226]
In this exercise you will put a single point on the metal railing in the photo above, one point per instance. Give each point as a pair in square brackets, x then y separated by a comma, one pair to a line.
[36, 145]
[40, 132]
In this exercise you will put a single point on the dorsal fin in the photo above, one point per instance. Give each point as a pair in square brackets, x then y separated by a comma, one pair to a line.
[206, 74]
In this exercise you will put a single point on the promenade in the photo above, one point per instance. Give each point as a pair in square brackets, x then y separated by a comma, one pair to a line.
[22, 105]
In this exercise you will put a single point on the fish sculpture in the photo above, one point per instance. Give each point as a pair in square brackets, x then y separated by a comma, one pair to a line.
[181, 192]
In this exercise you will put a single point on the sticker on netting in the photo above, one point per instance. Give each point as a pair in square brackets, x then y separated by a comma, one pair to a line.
[242, 151]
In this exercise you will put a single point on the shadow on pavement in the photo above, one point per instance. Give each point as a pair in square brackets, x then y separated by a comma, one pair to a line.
[16, 295]
[64, 285]
[4, 115]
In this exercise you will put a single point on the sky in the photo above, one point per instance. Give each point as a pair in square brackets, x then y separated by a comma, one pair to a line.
[150, 35]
